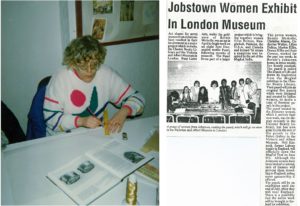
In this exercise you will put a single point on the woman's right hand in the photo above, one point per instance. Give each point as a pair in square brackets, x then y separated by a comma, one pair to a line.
[89, 122]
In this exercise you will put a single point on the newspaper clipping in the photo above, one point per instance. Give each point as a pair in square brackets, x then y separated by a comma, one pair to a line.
[232, 72]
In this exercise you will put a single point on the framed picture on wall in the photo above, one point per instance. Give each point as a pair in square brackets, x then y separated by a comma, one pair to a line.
[116, 22]
[99, 28]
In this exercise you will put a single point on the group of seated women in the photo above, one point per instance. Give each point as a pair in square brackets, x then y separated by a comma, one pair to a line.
[240, 95]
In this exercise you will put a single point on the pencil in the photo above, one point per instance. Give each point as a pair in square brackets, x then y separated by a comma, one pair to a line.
[105, 120]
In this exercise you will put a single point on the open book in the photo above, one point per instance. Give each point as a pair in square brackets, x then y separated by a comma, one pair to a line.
[89, 176]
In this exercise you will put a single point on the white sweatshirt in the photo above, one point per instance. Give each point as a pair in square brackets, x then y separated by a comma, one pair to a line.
[68, 98]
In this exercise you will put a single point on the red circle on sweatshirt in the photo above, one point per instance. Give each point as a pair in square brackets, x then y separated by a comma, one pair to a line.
[78, 98]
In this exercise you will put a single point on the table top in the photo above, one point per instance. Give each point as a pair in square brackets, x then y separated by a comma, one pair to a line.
[195, 108]
[26, 164]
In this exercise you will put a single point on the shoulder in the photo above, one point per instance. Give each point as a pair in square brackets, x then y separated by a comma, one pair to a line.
[105, 70]
[60, 77]
[107, 74]
[104, 73]
[63, 72]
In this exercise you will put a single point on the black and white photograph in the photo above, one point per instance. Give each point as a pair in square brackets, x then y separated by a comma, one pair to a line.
[214, 92]
[86, 166]
[134, 157]
[70, 178]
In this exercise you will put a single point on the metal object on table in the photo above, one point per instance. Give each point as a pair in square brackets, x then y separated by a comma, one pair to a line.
[131, 191]
[124, 136]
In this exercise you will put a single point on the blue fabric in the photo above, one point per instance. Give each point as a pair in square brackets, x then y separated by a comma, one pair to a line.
[36, 127]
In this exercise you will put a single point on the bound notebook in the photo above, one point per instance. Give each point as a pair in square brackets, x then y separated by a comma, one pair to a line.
[91, 175]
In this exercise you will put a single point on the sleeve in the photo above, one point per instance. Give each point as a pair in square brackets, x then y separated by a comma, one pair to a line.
[228, 93]
[123, 95]
[192, 93]
[252, 89]
[181, 96]
[209, 95]
[220, 94]
[205, 99]
[54, 116]
[236, 95]
[246, 92]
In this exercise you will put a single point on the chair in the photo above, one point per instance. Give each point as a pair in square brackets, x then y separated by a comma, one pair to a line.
[187, 118]
[253, 107]
[36, 127]
[10, 125]
[240, 118]
[214, 119]
[170, 118]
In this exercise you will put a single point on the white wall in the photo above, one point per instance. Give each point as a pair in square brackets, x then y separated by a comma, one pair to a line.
[182, 74]
[33, 36]
[31, 48]
[138, 64]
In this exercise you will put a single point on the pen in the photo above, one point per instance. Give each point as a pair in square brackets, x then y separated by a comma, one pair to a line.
[105, 120]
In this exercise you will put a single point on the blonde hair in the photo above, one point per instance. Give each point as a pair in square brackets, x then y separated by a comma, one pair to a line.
[84, 49]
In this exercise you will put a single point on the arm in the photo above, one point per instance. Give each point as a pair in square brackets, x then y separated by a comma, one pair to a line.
[193, 94]
[122, 95]
[55, 115]
[236, 95]
[181, 97]
[227, 93]
[199, 98]
[55, 118]
[205, 99]
[210, 95]
[221, 95]
[252, 89]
